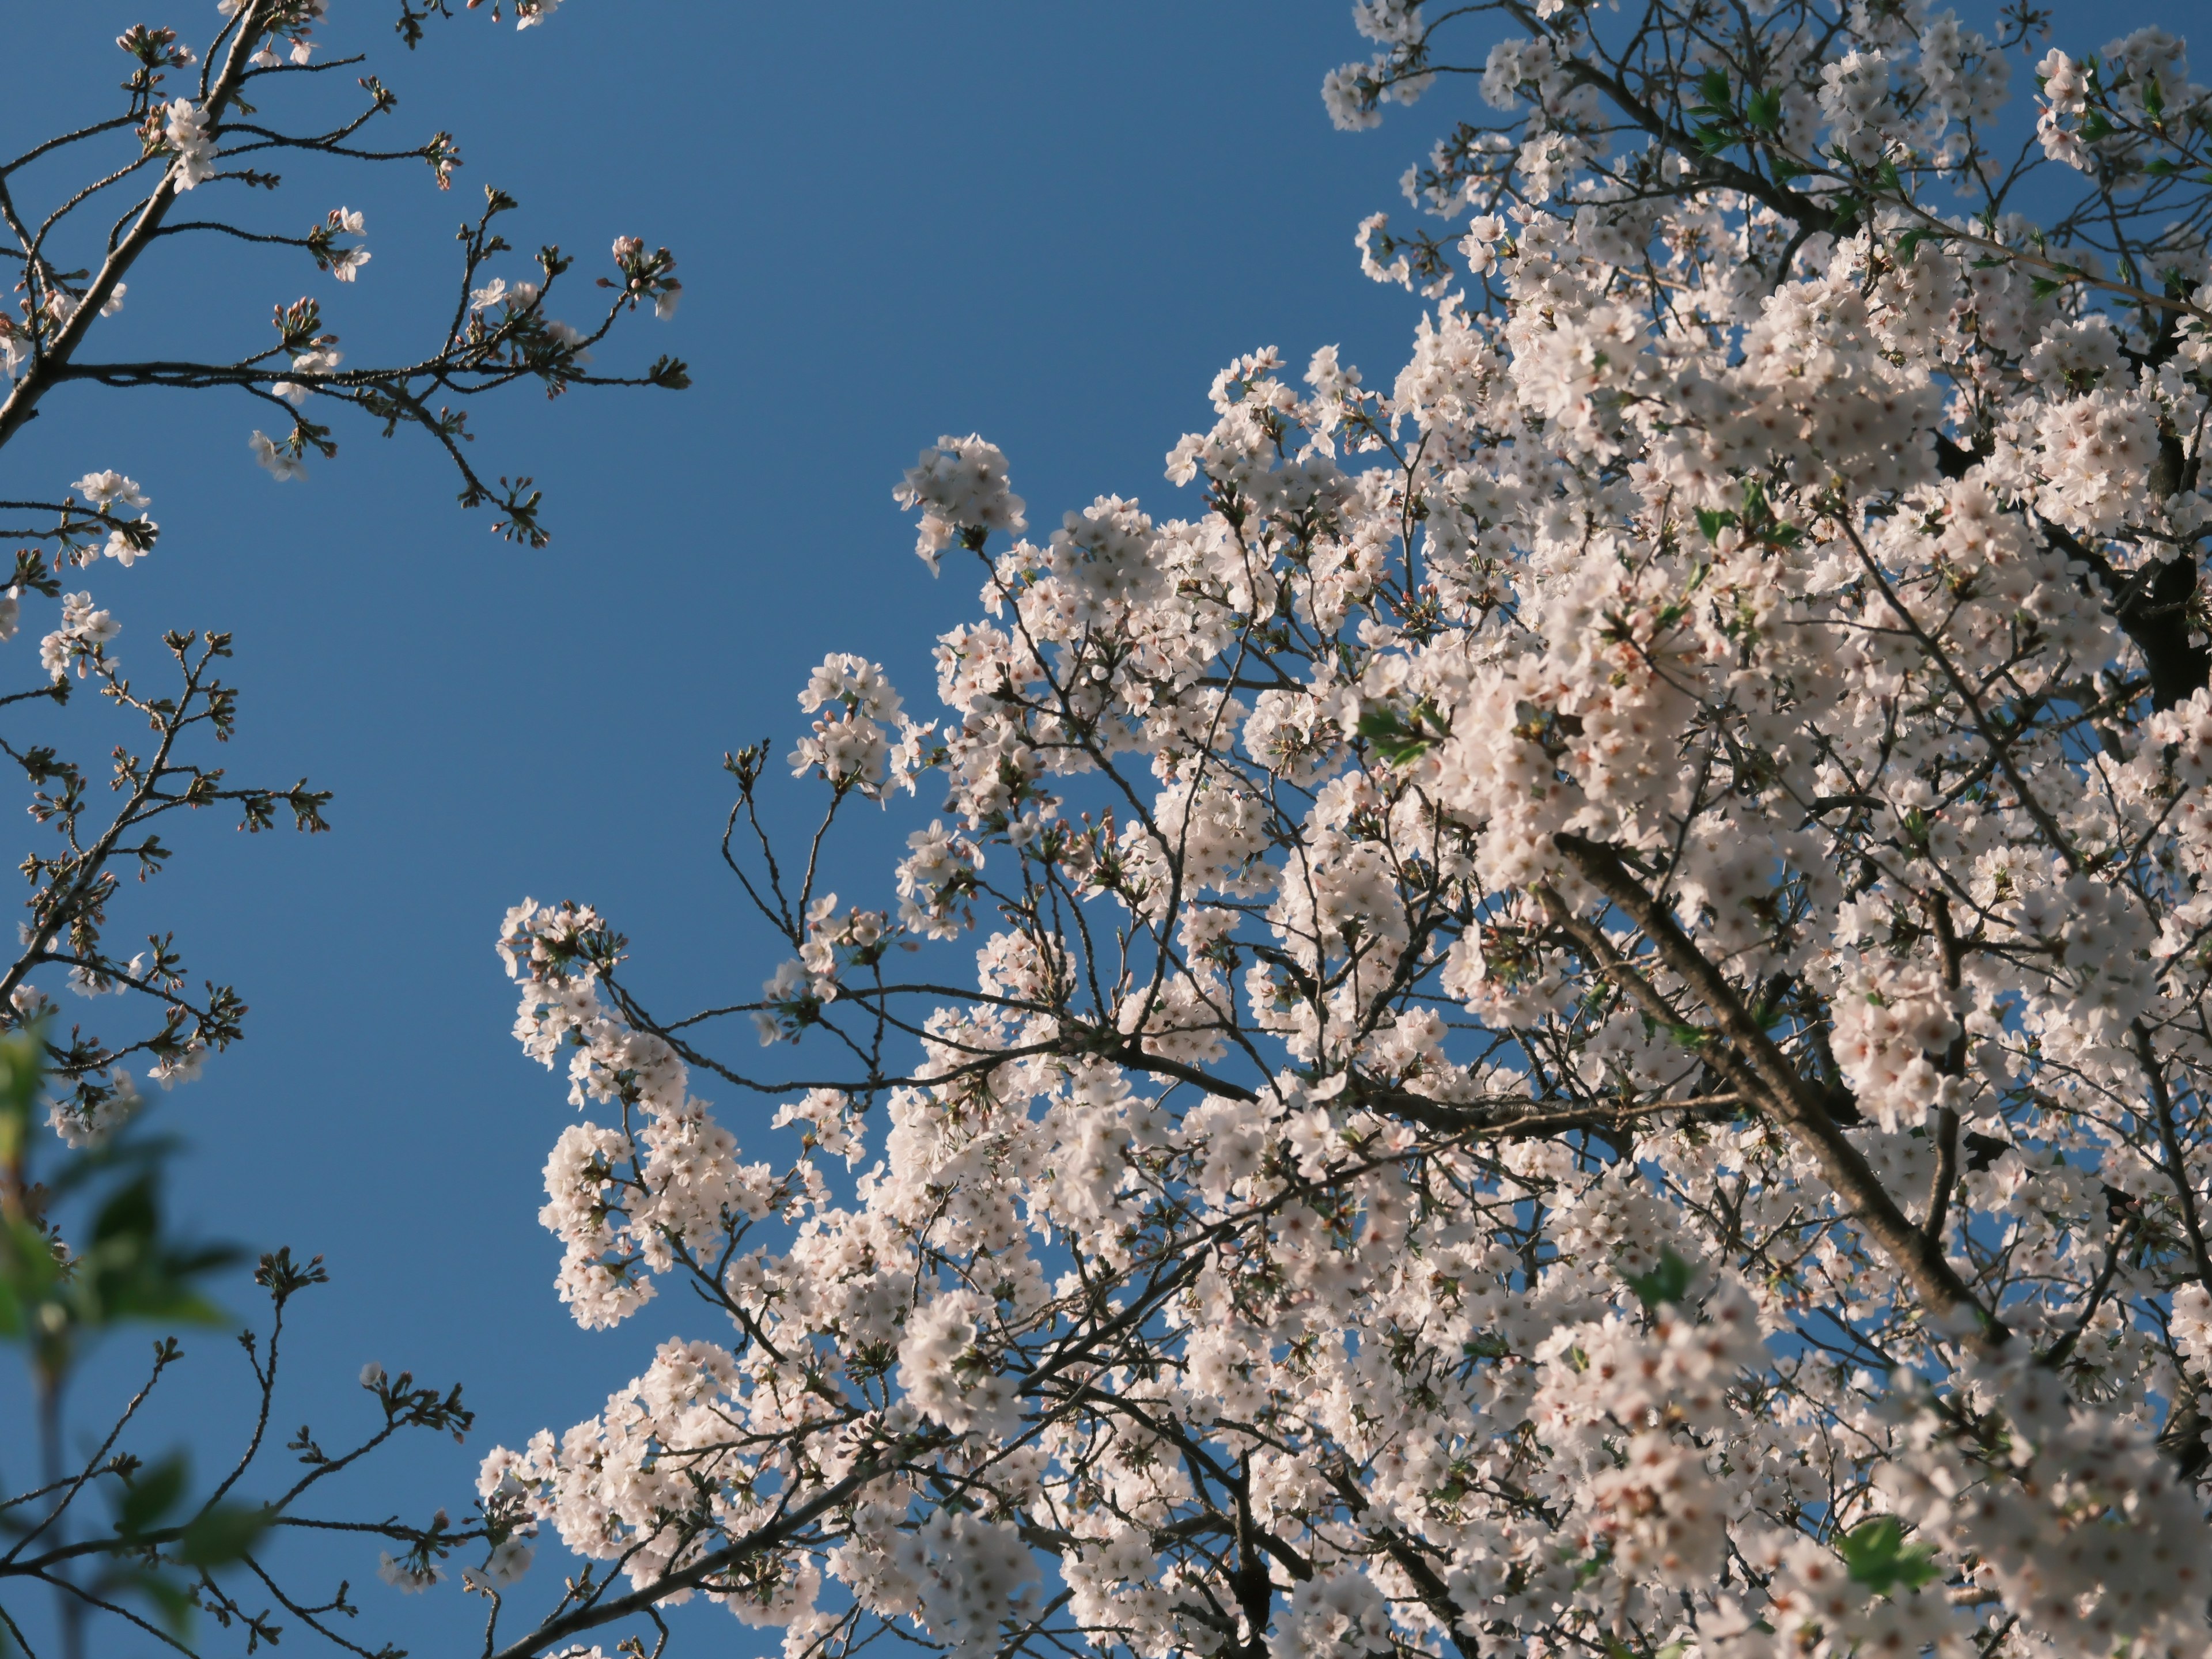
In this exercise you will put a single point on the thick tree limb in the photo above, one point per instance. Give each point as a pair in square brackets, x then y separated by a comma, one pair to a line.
[2153, 613]
[1793, 1099]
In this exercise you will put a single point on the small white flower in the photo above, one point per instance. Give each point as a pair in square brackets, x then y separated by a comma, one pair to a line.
[102, 491]
[404, 1576]
[283, 465]
[185, 130]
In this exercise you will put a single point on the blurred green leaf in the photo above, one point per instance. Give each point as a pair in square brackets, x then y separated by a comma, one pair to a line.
[130, 1216]
[173, 1600]
[1667, 1283]
[221, 1535]
[1876, 1555]
[149, 1495]
[131, 1272]
[27, 1266]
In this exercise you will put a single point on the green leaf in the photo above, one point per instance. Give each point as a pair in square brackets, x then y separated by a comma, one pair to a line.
[172, 1600]
[1712, 522]
[131, 1214]
[1764, 111]
[1876, 1555]
[221, 1535]
[2153, 97]
[151, 1495]
[2095, 126]
[1667, 1283]
[1909, 243]
[27, 1271]
[131, 1271]
[1714, 88]
[1395, 740]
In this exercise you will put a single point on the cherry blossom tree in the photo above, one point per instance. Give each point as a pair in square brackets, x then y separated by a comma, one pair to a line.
[183, 153]
[1587, 1031]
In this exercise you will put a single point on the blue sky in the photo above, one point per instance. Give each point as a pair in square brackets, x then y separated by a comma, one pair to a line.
[1048, 224]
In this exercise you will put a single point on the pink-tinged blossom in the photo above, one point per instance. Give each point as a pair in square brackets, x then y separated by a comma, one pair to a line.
[282, 465]
[959, 486]
[185, 130]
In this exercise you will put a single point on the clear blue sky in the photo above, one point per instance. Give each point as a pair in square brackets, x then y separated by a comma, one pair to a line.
[1049, 224]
